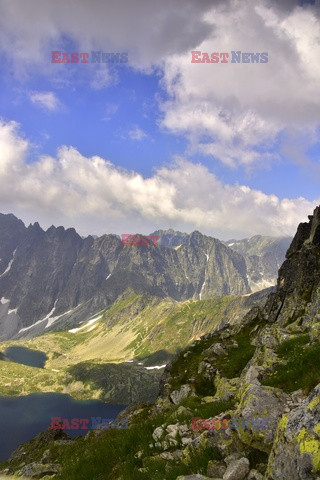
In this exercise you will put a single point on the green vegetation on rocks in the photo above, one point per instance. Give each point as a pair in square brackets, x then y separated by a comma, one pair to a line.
[298, 368]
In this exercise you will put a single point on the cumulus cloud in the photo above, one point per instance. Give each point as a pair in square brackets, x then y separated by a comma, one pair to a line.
[136, 133]
[234, 113]
[102, 25]
[46, 100]
[95, 196]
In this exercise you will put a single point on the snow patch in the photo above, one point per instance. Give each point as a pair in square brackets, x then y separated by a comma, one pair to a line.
[205, 274]
[51, 320]
[88, 323]
[202, 289]
[12, 311]
[91, 320]
[9, 264]
[157, 367]
[31, 326]
[4, 300]
[91, 328]
[46, 318]
[51, 311]
[108, 276]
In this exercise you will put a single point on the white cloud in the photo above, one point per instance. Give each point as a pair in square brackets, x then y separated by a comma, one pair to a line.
[137, 133]
[240, 109]
[97, 197]
[46, 100]
[105, 25]
[110, 110]
[101, 77]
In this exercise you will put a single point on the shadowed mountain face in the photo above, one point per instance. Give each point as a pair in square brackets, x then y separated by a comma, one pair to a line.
[44, 275]
[56, 279]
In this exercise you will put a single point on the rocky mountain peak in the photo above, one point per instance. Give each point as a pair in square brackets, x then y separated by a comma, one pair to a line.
[308, 233]
[315, 227]
[35, 226]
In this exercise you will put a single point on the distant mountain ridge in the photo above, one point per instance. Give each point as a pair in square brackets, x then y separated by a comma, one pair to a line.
[264, 256]
[56, 279]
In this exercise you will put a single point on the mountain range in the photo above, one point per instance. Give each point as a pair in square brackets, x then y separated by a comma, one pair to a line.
[55, 279]
[264, 256]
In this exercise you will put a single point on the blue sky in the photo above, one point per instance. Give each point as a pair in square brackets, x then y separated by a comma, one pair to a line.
[180, 145]
[98, 122]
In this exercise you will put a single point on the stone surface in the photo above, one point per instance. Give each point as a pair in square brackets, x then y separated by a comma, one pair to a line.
[196, 476]
[216, 469]
[232, 458]
[296, 451]
[216, 349]
[237, 469]
[178, 395]
[39, 470]
[261, 402]
[253, 374]
[255, 475]
[157, 434]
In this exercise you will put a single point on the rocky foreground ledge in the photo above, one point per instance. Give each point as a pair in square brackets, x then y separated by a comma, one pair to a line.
[266, 367]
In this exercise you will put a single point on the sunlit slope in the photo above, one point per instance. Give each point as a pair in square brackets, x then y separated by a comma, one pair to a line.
[141, 330]
[137, 326]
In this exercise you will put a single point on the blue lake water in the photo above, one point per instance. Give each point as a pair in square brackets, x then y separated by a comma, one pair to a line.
[33, 358]
[22, 418]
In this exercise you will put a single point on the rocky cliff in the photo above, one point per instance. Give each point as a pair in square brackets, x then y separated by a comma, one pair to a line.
[55, 279]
